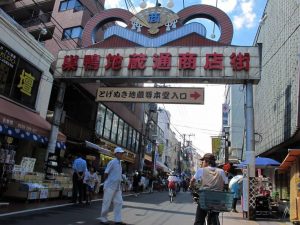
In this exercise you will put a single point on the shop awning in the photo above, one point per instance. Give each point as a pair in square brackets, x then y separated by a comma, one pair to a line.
[160, 165]
[98, 148]
[23, 123]
[292, 155]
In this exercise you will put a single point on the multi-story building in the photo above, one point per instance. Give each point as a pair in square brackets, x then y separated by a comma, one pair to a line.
[58, 25]
[25, 86]
[235, 101]
[276, 97]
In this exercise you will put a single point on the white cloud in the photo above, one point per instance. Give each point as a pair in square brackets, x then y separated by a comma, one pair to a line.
[241, 11]
[226, 5]
[246, 17]
[112, 4]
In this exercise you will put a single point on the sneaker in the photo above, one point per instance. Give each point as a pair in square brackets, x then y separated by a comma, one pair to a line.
[234, 210]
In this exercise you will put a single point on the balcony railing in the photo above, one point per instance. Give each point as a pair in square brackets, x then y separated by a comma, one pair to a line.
[43, 18]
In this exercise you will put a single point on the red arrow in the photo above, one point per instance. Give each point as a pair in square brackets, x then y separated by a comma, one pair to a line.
[195, 95]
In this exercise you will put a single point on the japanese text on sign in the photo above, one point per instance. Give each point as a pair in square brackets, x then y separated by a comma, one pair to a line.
[161, 62]
[159, 95]
[222, 64]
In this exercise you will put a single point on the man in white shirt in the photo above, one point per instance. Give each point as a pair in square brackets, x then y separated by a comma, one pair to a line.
[112, 189]
[211, 178]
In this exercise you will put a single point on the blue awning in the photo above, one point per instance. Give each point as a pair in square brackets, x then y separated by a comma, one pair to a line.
[23, 134]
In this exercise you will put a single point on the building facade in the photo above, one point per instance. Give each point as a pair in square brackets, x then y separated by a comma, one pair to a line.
[276, 97]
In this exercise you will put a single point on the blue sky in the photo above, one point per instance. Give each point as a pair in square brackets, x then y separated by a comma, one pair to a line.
[206, 120]
[244, 14]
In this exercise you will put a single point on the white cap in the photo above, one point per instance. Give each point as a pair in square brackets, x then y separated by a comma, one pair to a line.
[118, 150]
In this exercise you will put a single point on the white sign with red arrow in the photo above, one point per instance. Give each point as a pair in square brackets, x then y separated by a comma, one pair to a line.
[166, 95]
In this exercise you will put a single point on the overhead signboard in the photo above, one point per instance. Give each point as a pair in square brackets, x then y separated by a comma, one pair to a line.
[164, 95]
[217, 64]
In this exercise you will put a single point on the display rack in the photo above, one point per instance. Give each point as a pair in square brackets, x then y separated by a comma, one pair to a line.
[7, 162]
[51, 166]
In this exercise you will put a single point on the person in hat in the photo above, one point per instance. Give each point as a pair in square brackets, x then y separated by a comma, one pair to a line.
[210, 178]
[112, 189]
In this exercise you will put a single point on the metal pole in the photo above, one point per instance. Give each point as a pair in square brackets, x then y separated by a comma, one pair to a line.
[56, 120]
[250, 150]
[142, 144]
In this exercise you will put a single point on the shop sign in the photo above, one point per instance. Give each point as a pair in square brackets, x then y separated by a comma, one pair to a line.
[27, 164]
[157, 95]
[222, 64]
[225, 111]
[216, 144]
[19, 79]
[17, 124]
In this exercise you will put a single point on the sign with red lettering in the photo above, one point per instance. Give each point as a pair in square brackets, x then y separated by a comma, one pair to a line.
[221, 65]
[158, 95]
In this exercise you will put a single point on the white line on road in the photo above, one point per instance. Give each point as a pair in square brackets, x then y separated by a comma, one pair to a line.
[48, 207]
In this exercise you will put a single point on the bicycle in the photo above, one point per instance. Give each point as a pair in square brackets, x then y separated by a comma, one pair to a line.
[213, 202]
[172, 194]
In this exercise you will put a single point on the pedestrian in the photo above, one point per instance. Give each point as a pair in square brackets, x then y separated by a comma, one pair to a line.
[112, 189]
[212, 178]
[136, 183]
[79, 169]
[236, 188]
[90, 180]
[150, 183]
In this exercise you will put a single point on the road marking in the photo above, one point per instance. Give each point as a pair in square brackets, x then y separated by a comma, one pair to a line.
[48, 207]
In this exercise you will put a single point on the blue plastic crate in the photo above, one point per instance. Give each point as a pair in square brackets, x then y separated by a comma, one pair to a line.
[215, 200]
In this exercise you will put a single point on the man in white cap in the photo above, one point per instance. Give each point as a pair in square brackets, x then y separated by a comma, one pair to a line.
[112, 189]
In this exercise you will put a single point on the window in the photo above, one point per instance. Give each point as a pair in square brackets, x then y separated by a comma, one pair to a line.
[70, 4]
[125, 132]
[108, 122]
[73, 32]
[114, 128]
[137, 142]
[100, 119]
[133, 140]
[120, 132]
[129, 142]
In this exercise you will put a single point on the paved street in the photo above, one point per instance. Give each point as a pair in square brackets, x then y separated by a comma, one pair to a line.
[147, 209]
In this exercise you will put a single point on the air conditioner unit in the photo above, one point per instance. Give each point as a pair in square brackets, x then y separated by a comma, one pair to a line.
[6, 2]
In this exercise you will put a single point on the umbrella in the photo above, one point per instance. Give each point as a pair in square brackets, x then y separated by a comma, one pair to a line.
[261, 162]
[234, 180]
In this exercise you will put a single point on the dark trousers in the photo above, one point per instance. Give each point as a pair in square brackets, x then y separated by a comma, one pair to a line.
[201, 214]
[234, 203]
[78, 188]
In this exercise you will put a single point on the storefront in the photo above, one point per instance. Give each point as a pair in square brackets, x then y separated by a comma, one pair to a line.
[25, 86]
[291, 164]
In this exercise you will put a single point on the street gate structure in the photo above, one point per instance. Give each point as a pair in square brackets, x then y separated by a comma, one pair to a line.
[159, 45]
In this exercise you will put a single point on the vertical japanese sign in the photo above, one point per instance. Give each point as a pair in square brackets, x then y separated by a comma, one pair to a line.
[225, 111]
[216, 145]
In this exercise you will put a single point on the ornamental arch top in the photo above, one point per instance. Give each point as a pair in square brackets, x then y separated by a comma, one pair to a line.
[159, 45]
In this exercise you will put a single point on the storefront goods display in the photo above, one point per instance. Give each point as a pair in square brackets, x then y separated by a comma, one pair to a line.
[7, 161]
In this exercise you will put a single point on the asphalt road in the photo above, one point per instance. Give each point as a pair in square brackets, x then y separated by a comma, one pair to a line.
[145, 209]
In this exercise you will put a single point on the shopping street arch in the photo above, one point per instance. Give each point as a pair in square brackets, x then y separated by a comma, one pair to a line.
[161, 46]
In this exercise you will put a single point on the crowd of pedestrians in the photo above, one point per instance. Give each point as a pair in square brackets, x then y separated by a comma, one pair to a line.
[86, 183]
